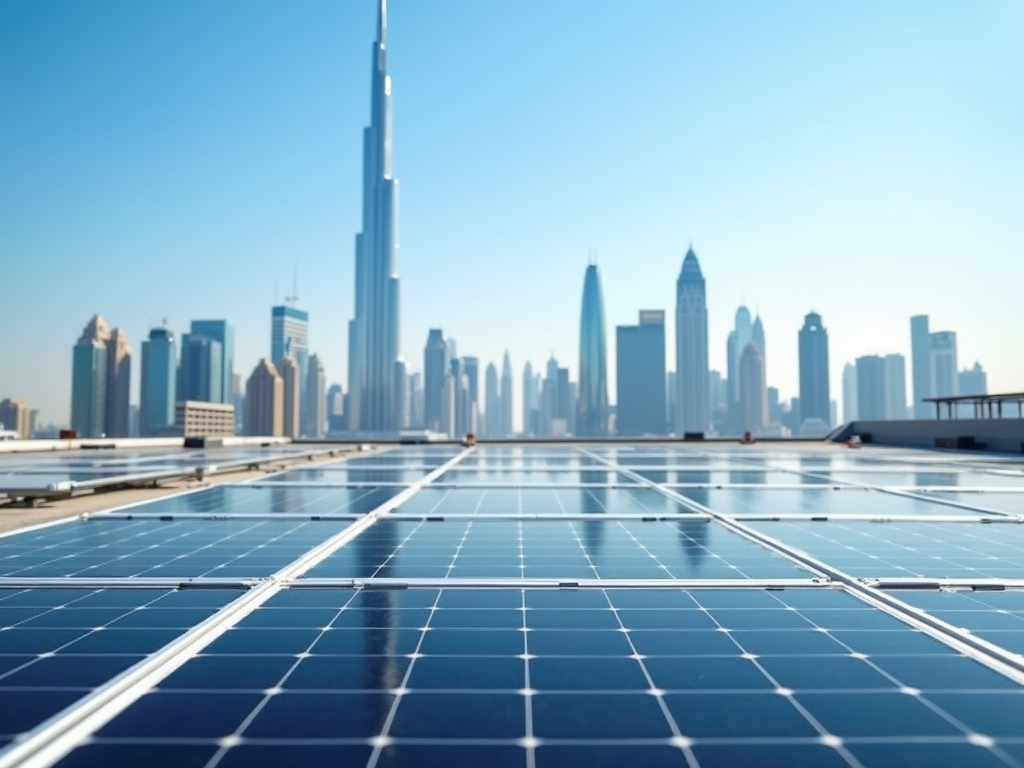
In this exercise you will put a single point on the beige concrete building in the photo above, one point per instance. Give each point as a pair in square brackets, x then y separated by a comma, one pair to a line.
[289, 371]
[14, 415]
[193, 418]
[264, 401]
[119, 384]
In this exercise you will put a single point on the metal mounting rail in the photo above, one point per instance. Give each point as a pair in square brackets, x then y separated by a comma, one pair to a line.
[172, 516]
[53, 739]
[593, 517]
[1009, 664]
[812, 518]
[139, 582]
[970, 584]
[505, 583]
[263, 483]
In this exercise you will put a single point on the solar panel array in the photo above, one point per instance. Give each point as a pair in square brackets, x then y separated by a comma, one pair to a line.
[532, 605]
[35, 474]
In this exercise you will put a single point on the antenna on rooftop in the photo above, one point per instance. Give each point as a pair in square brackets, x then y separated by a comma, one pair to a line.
[291, 300]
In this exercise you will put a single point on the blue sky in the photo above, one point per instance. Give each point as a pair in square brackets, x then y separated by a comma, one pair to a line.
[176, 158]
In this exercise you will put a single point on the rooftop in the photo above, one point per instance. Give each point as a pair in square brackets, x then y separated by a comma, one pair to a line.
[645, 604]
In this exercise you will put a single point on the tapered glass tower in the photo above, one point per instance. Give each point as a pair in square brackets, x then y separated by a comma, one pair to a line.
[592, 407]
[691, 348]
[374, 390]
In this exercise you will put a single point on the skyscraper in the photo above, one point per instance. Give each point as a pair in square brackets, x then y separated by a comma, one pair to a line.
[471, 372]
[119, 385]
[592, 408]
[289, 337]
[335, 408]
[973, 381]
[200, 376]
[881, 388]
[288, 369]
[435, 372]
[944, 368]
[814, 384]
[850, 411]
[640, 375]
[506, 397]
[921, 365]
[531, 401]
[741, 335]
[89, 379]
[315, 399]
[691, 393]
[158, 389]
[753, 396]
[373, 332]
[895, 386]
[14, 415]
[222, 332]
[264, 401]
[492, 412]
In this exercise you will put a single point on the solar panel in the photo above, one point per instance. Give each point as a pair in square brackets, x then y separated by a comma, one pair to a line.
[57, 645]
[541, 606]
[565, 676]
[257, 499]
[155, 548]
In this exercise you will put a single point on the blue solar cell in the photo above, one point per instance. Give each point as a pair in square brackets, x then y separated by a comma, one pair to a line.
[155, 755]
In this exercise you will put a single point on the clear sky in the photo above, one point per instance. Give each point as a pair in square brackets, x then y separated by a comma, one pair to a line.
[175, 158]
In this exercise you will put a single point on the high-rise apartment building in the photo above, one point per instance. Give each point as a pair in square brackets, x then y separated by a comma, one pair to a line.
[435, 374]
[753, 395]
[89, 379]
[14, 415]
[881, 388]
[973, 381]
[896, 387]
[315, 399]
[640, 375]
[264, 401]
[921, 365]
[471, 372]
[592, 408]
[531, 401]
[119, 384]
[221, 332]
[506, 397]
[200, 376]
[288, 369]
[289, 337]
[741, 335]
[944, 368]
[814, 376]
[373, 332]
[492, 406]
[158, 388]
[850, 410]
[691, 386]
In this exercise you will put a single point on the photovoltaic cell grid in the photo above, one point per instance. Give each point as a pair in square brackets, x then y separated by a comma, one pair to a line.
[520, 677]
[436, 674]
[57, 645]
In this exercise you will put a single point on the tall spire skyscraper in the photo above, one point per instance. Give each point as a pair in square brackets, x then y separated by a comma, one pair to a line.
[374, 391]
[691, 348]
[592, 409]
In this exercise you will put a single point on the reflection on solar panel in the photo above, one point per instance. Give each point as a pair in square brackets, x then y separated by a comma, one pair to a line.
[697, 606]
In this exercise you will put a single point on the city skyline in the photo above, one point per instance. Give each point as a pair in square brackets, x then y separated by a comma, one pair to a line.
[910, 226]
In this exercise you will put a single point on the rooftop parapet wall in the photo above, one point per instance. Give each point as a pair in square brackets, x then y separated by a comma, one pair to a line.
[992, 434]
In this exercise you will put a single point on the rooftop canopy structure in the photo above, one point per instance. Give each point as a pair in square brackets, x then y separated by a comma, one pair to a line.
[985, 406]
